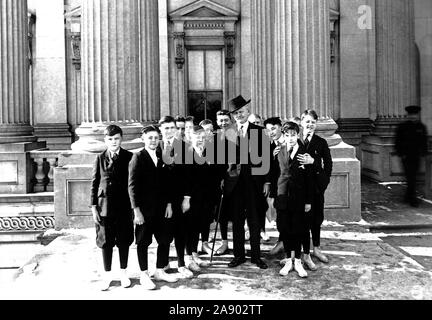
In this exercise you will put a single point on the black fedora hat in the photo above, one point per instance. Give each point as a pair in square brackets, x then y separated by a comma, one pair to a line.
[413, 109]
[237, 103]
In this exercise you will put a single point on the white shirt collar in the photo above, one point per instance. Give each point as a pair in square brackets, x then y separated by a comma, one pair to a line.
[113, 153]
[244, 126]
[310, 136]
[152, 154]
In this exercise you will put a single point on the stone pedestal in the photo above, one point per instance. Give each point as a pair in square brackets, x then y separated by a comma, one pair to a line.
[343, 195]
[72, 197]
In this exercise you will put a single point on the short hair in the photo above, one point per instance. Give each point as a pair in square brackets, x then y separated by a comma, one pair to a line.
[275, 121]
[150, 128]
[179, 119]
[166, 119]
[311, 113]
[291, 126]
[112, 130]
[205, 122]
[197, 129]
[190, 119]
[223, 113]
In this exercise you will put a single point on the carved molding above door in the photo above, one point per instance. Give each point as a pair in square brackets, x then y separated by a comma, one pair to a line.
[204, 23]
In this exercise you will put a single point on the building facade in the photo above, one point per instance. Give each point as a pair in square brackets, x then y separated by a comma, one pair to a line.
[75, 66]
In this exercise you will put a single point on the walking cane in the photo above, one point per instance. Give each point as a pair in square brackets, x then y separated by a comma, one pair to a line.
[217, 223]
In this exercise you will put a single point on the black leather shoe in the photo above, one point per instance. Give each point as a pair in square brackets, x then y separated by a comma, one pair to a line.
[260, 264]
[236, 262]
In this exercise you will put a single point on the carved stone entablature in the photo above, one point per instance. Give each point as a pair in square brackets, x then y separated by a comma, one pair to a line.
[26, 223]
[179, 49]
[229, 48]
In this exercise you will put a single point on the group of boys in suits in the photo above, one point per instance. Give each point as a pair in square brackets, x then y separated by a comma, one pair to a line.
[173, 189]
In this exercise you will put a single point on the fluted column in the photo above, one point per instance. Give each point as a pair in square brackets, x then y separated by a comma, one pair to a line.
[263, 89]
[149, 60]
[302, 61]
[396, 62]
[14, 85]
[110, 85]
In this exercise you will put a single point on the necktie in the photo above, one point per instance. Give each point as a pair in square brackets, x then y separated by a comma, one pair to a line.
[241, 131]
[306, 142]
[115, 157]
[289, 155]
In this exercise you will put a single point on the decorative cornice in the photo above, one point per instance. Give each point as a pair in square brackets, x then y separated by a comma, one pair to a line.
[207, 4]
[26, 223]
[204, 25]
[360, 125]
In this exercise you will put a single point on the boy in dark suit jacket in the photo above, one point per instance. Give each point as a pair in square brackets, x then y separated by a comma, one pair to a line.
[274, 130]
[319, 158]
[110, 204]
[294, 198]
[151, 201]
[173, 155]
[204, 186]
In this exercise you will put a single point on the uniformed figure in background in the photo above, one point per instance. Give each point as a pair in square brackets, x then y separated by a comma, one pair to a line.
[411, 145]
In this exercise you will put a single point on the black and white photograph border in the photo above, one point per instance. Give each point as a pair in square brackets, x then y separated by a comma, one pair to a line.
[71, 68]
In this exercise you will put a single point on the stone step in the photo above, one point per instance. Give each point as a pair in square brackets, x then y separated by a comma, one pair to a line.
[24, 217]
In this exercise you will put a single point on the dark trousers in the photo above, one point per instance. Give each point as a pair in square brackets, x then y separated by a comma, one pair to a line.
[201, 214]
[183, 239]
[245, 208]
[115, 231]
[411, 166]
[107, 254]
[316, 218]
[161, 228]
[293, 241]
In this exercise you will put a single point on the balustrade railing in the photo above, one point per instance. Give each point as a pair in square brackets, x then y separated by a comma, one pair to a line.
[43, 164]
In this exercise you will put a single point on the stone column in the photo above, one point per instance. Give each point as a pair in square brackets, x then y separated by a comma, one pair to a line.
[164, 77]
[16, 133]
[49, 76]
[14, 84]
[302, 61]
[396, 63]
[149, 60]
[262, 36]
[110, 76]
[396, 82]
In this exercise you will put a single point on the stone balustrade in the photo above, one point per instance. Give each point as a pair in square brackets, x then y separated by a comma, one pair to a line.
[42, 165]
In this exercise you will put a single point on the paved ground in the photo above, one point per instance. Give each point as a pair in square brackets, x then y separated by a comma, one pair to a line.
[383, 264]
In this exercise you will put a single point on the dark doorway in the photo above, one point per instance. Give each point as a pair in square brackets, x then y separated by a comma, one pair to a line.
[205, 83]
[204, 104]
